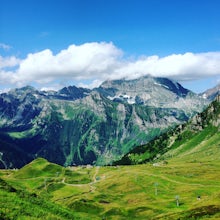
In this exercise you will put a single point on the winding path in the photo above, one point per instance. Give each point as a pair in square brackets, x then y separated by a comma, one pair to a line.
[94, 180]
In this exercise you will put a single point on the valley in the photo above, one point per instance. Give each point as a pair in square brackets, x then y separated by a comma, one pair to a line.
[145, 191]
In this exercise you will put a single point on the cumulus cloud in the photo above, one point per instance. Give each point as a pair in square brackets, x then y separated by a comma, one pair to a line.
[94, 84]
[76, 62]
[8, 67]
[6, 62]
[96, 62]
[188, 66]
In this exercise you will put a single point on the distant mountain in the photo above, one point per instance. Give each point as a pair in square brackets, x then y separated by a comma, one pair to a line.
[69, 93]
[199, 136]
[157, 92]
[81, 126]
[212, 93]
[152, 91]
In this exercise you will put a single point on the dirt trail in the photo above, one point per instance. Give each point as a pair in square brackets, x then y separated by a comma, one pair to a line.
[91, 184]
[93, 188]
[95, 174]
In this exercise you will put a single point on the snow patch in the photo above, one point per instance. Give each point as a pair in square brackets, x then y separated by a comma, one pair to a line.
[124, 98]
[204, 96]
[158, 84]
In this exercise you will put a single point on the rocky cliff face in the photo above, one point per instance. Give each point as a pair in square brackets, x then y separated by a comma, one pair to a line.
[200, 134]
[80, 126]
[212, 93]
[151, 91]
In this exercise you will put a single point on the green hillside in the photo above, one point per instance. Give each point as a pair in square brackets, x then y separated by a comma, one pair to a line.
[21, 204]
[145, 191]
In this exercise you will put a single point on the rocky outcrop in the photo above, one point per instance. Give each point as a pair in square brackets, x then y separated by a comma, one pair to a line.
[201, 127]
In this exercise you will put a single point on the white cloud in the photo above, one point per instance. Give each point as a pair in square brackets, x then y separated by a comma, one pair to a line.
[5, 46]
[94, 84]
[54, 87]
[6, 62]
[8, 66]
[186, 66]
[76, 62]
[96, 62]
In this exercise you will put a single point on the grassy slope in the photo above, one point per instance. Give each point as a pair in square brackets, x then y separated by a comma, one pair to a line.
[125, 192]
[21, 204]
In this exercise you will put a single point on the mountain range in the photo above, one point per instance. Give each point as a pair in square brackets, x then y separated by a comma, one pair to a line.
[76, 126]
[181, 181]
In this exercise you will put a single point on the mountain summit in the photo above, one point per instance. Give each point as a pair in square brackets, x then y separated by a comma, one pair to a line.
[81, 126]
[151, 91]
[145, 90]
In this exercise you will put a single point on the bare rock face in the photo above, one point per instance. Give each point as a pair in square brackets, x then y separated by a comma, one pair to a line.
[151, 91]
[195, 134]
[212, 93]
[81, 126]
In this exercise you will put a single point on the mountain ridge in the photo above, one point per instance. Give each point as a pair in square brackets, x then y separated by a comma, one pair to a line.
[81, 126]
[211, 93]
[202, 126]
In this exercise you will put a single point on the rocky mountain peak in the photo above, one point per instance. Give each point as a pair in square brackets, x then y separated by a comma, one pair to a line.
[72, 93]
[23, 91]
[144, 84]
[150, 91]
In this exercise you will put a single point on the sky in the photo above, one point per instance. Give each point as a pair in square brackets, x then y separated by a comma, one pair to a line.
[50, 44]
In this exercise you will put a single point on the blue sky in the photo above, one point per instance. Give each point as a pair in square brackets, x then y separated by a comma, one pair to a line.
[53, 43]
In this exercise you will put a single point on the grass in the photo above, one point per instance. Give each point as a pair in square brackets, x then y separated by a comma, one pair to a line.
[20, 204]
[125, 192]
